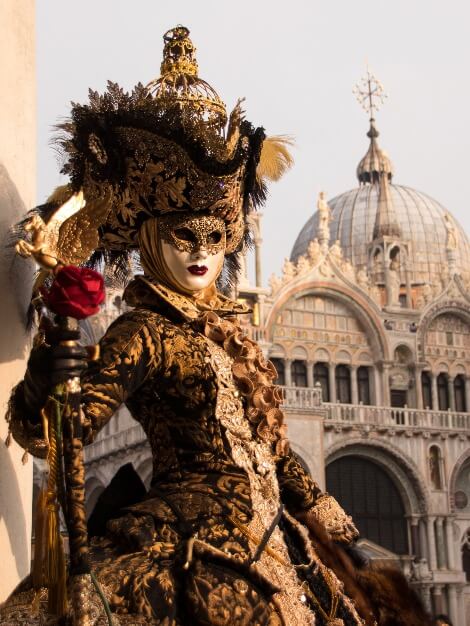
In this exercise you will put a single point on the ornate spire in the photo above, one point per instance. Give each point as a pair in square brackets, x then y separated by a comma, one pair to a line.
[385, 219]
[179, 82]
[375, 168]
[371, 95]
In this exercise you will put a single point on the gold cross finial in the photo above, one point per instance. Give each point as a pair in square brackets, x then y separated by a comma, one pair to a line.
[370, 93]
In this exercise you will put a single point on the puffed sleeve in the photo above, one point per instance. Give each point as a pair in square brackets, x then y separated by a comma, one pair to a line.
[130, 352]
[299, 491]
[304, 499]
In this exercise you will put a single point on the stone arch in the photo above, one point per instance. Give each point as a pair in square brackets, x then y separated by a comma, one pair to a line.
[459, 309]
[277, 351]
[94, 471]
[305, 457]
[359, 306]
[144, 469]
[343, 356]
[458, 368]
[321, 354]
[93, 489]
[395, 250]
[435, 463]
[401, 469]
[299, 352]
[364, 358]
[463, 460]
[403, 353]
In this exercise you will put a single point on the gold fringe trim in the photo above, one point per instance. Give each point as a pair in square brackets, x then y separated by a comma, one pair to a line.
[49, 568]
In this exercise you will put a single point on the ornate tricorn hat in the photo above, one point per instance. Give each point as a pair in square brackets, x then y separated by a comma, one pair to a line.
[162, 149]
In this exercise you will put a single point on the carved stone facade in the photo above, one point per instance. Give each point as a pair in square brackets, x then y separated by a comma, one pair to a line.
[391, 360]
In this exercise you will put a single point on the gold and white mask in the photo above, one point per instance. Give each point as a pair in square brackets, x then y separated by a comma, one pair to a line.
[192, 233]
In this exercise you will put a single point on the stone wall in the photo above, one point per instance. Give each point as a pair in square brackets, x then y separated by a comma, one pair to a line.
[17, 191]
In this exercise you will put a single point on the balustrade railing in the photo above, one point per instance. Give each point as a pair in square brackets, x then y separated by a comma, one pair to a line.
[303, 398]
[114, 443]
[391, 416]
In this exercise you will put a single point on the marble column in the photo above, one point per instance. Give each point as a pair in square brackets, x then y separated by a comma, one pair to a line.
[432, 561]
[467, 393]
[415, 548]
[258, 273]
[288, 372]
[386, 384]
[437, 599]
[449, 531]
[418, 387]
[461, 612]
[422, 540]
[354, 389]
[440, 543]
[451, 392]
[435, 398]
[453, 604]
[426, 596]
[377, 386]
[332, 381]
[309, 366]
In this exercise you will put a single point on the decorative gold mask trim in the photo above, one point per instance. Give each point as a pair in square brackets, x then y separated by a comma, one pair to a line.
[190, 234]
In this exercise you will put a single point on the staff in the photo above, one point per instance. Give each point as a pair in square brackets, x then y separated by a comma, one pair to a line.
[75, 293]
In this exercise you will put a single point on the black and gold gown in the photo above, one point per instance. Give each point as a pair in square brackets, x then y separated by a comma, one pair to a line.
[216, 540]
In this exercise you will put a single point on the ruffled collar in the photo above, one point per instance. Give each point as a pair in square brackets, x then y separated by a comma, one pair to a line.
[142, 292]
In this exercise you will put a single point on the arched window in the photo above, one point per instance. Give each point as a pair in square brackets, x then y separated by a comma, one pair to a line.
[281, 371]
[367, 493]
[466, 555]
[435, 467]
[443, 392]
[459, 392]
[320, 375]
[343, 384]
[363, 387]
[427, 390]
[299, 373]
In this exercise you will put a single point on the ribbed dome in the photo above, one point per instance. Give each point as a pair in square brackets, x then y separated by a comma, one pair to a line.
[419, 217]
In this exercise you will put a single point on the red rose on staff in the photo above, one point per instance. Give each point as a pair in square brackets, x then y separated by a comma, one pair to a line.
[76, 292]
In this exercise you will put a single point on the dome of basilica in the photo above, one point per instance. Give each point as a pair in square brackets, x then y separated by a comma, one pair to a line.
[414, 218]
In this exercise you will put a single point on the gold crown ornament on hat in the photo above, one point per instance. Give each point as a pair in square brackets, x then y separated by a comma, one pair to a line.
[159, 150]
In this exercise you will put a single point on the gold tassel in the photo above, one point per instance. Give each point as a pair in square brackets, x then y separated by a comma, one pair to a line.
[275, 158]
[54, 562]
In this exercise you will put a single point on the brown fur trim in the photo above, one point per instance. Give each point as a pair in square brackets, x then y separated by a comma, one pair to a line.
[394, 601]
[380, 594]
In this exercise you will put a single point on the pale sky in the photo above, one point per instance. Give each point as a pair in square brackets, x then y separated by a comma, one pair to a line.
[295, 63]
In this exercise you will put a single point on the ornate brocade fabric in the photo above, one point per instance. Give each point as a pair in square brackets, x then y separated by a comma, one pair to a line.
[216, 486]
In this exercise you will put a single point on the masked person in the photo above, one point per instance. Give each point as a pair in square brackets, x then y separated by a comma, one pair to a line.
[233, 530]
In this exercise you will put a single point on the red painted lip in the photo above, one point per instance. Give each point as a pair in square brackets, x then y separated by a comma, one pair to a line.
[198, 270]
